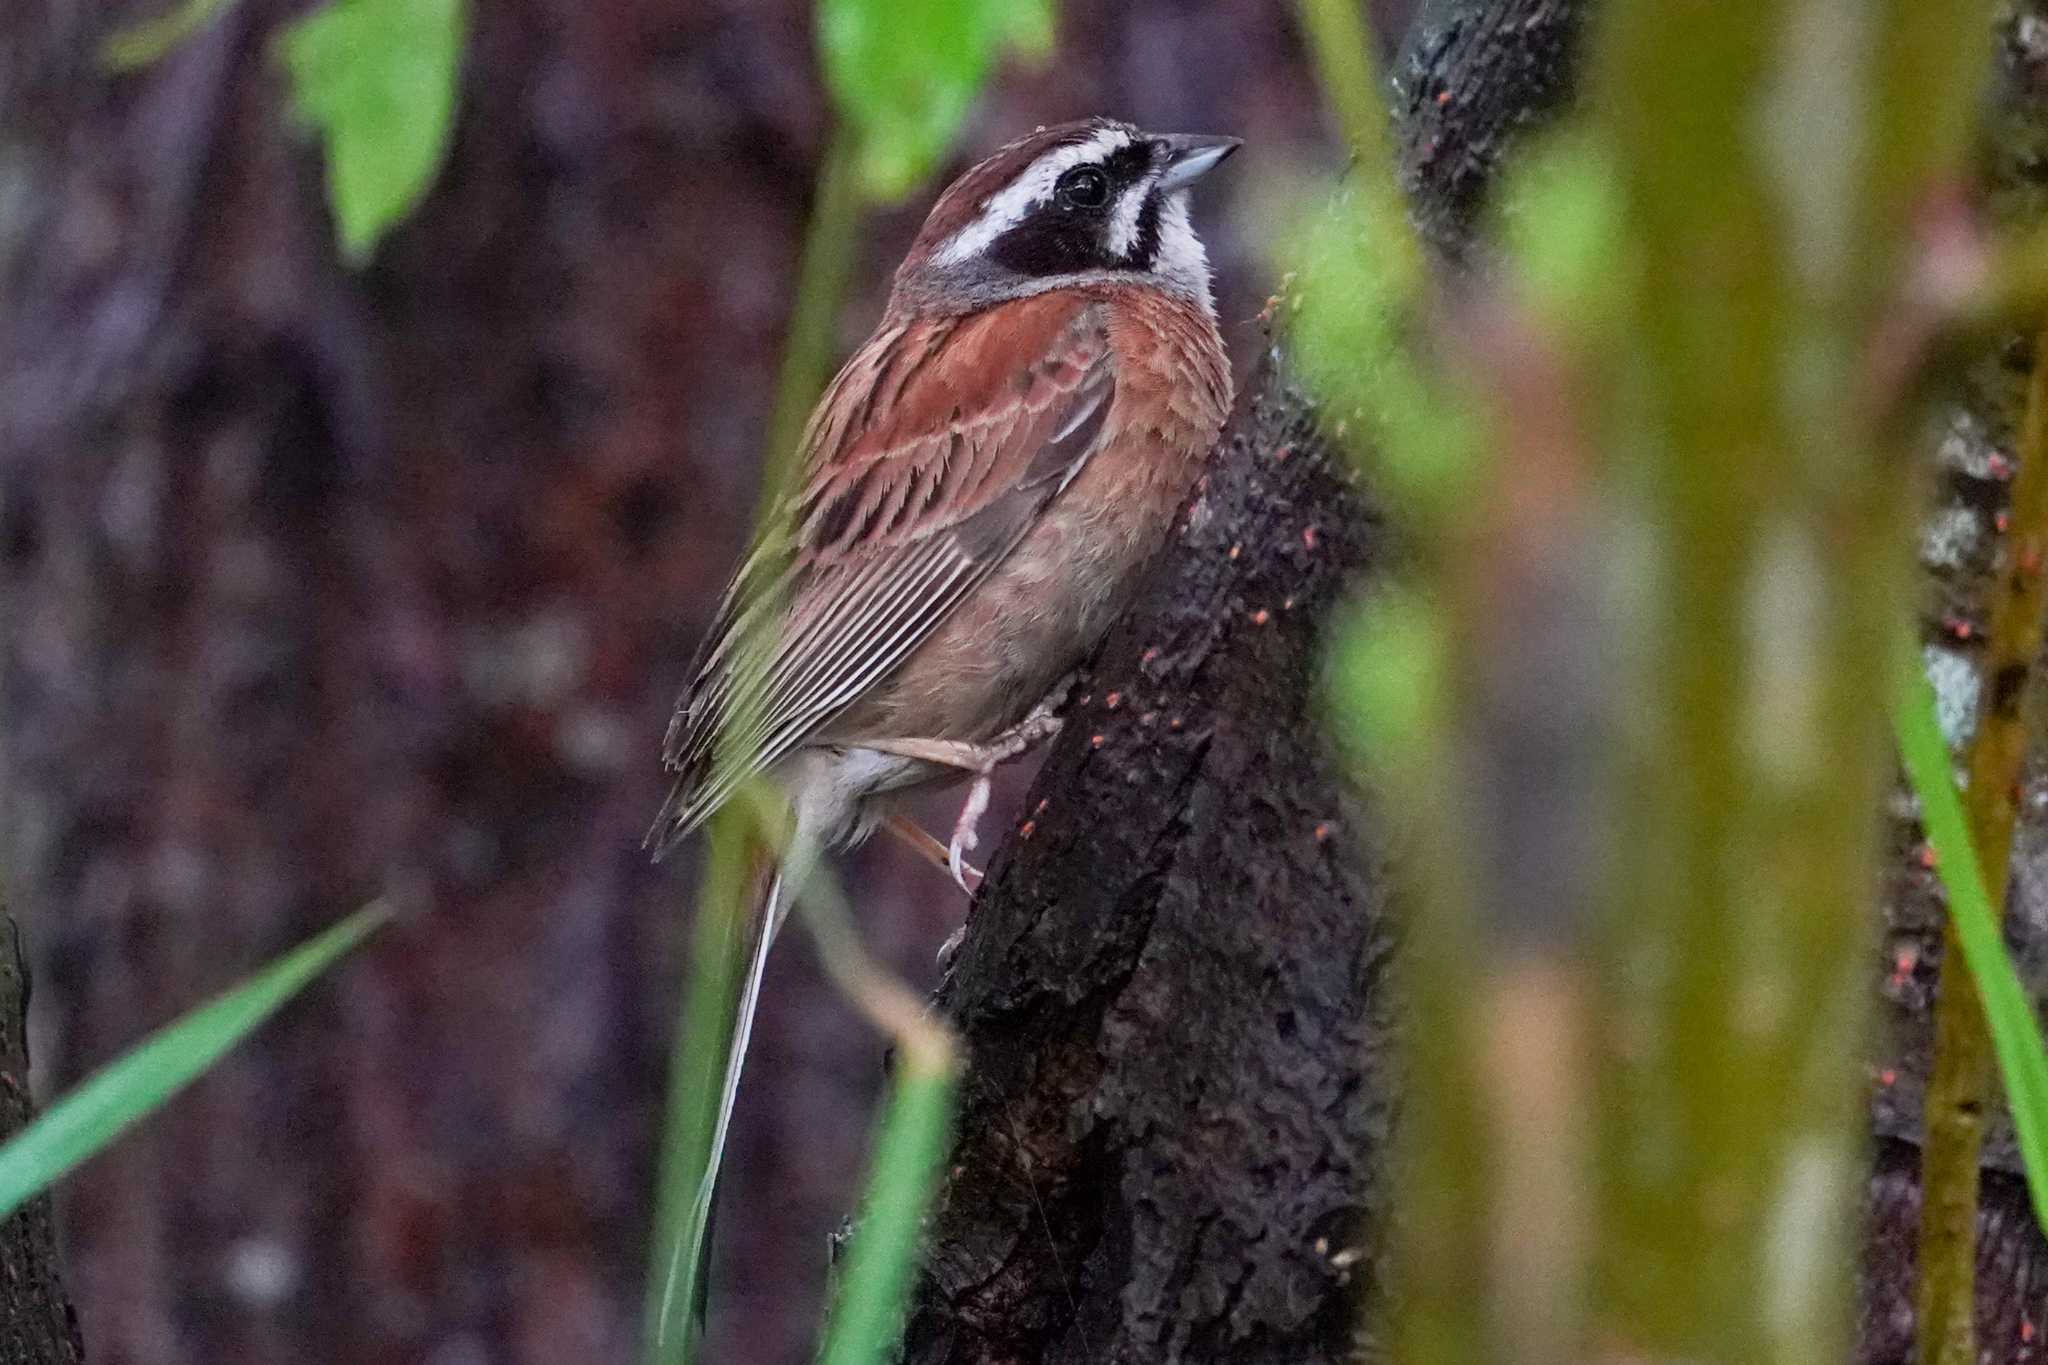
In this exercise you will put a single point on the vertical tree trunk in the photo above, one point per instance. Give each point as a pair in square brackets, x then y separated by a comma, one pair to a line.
[1172, 989]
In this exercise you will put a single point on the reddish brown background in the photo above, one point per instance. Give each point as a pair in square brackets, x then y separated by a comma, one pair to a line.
[317, 584]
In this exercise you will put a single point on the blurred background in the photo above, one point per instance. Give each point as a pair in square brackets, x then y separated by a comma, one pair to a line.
[322, 582]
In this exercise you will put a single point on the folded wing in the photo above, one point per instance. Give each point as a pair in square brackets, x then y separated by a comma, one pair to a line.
[930, 457]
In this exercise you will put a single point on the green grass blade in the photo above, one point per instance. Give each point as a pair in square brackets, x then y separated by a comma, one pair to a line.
[2015, 1032]
[79, 1125]
[911, 1147]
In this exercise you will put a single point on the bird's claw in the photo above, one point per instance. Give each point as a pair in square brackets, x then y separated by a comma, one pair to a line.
[964, 836]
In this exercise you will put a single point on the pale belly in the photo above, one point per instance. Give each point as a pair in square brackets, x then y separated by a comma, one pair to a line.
[1035, 619]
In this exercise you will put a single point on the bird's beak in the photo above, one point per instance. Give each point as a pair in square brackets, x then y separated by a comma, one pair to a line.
[1190, 156]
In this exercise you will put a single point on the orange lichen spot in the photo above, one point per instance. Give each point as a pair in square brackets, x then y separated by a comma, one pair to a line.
[1887, 1078]
[1095, 741]
[1959, 628]
[2002, 522]
[1173, 724]
[1927, 855]
[1322, 834]
[1043, 802]
[1148, 718]
[1287, 604]
[1308, 537]
[1443, 97]
[1027, 829]
[1149, 655]
[2026, 1329]
[1112, 701]
[1998, 466]
[1261, 616]
[1903, 964]
[2030, 558]
[1236, 550]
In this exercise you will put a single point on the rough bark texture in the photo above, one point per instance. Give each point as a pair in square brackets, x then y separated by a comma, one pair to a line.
[1469, 79]
[1173, 992]
[37, 1324]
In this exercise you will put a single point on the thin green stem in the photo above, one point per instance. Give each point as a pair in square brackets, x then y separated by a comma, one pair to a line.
[1963, 1061]
[808, 352]
[1342, 48]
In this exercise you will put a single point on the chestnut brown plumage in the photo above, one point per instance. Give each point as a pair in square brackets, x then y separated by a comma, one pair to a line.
[978, 488]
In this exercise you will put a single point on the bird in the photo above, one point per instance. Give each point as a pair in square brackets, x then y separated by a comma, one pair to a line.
[976, 492]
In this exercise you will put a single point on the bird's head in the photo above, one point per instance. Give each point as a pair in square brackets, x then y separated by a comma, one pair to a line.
[1073, 204]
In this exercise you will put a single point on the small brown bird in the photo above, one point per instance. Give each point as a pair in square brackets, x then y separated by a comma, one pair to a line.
[979, 487]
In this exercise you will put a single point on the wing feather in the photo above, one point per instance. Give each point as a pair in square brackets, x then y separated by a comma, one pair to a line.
[964, 430]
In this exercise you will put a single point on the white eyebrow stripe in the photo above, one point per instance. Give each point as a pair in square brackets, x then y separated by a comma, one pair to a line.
[1006, 208]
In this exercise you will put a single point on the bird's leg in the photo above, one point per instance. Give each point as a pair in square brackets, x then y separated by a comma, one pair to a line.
[982, 760]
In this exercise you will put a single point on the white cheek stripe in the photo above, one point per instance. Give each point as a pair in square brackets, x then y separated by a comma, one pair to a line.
[1181, 261]
[1123, 227]
[1007, 208]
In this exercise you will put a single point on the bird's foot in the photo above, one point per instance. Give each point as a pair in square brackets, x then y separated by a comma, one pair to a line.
[981, 760]
[964, 835]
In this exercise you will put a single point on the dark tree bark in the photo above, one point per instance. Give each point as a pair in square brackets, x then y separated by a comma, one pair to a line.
[1164, 1077]
[1173, 989]
[1469, 79]
[37, 1324]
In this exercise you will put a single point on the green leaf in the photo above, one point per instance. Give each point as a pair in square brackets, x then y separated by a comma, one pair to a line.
[867, 1312]
[83, 1122]
[140, 44]
[2015, 1032]
[904, 73]
[377, 79]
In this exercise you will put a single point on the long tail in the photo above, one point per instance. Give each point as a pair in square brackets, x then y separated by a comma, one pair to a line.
[684, 1284]
[775, 883]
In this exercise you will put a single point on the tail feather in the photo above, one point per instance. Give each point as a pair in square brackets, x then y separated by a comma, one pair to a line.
[816, 811]
[686, 1279]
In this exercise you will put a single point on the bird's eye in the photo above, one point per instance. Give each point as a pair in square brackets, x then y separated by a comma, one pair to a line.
[1084, 187]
